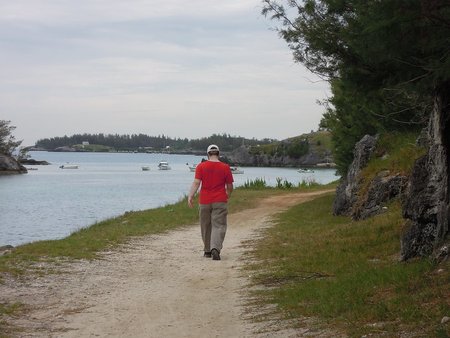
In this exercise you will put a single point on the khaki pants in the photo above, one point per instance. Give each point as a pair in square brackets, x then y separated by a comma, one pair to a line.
[213, 224]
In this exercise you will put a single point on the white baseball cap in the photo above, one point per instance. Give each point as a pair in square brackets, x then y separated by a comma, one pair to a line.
[212, 147]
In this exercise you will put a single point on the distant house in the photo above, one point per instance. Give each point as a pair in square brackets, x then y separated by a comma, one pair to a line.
[85, 143]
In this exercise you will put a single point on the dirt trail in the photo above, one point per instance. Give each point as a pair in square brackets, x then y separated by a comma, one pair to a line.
[156, 286]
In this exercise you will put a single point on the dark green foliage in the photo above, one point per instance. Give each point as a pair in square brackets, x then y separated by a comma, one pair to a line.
[383, 59]
[144, 142]
[283, 183]
[294, 147]
[8, 142]
[297, 148]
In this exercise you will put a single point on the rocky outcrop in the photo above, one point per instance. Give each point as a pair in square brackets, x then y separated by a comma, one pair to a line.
[242, 157]
[426, 205]
[6, 249]
[360, 199]
[65, 149]
[382, 189]
[347, 190]
[9, 165]
[30, 161]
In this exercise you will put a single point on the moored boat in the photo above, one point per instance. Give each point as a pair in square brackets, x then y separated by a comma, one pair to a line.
[191, 167]
[68, 166]
[236, 170]
[163, 165]
[305, 171]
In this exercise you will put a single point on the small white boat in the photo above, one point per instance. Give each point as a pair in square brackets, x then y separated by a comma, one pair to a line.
[236, 170]
[305, 171]
[191, 167]
[163, 165]
[68, 166]
[145, 168]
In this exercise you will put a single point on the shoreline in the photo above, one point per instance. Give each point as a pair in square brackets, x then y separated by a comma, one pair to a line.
[112, 178]
[225, 157]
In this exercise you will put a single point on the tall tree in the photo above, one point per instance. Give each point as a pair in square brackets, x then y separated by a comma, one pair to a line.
[8, 142]
[384, 60]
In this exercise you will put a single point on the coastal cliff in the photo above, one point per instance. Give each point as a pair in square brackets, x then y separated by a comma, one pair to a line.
[308, 150]
[422, 185]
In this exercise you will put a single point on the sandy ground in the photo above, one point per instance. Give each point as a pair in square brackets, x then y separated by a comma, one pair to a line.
[156, 286]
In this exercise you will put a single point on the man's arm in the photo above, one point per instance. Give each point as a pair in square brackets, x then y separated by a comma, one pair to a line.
[194, 187]
[229, 189]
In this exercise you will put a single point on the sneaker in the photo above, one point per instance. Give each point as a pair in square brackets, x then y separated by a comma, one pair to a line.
[207, 254]
[215, 255]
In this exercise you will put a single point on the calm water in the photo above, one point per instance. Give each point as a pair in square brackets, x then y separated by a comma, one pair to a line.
[51, 203]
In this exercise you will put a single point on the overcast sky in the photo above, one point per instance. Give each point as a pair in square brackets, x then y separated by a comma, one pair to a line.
[172, 67]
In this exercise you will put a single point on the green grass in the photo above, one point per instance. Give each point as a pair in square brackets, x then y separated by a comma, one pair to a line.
[257, 183]
[260, 184]
[7, 310]
[395, 152]
[347, 273]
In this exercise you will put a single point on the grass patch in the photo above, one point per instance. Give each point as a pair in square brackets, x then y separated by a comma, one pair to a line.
[282, 183]
[395, 153]
[347, 274]
[8, 310]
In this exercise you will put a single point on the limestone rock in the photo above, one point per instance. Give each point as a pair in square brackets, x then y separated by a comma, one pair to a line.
[383, 188]
[358, 202]
[6, 249]
[9, 165]
[242, 157]
[65, 149]
[31, 161]
[347, 191]
[426, 204]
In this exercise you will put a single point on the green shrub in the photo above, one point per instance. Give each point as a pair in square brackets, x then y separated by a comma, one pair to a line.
[283, 184]
[258, 183]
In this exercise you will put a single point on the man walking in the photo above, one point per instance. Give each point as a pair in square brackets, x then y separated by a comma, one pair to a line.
[216, 183]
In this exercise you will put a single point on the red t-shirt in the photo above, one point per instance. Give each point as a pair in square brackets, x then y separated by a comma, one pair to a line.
[214, 176]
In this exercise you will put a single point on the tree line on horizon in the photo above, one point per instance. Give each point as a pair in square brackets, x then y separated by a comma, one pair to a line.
[226, 142]
[384, 61]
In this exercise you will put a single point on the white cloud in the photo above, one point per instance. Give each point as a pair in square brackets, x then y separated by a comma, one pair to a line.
[150, 66]
[50, 12]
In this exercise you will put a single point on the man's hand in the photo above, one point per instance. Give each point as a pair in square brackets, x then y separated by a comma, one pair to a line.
[194, 187]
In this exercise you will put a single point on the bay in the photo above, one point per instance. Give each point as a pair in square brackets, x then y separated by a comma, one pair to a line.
[51, 203]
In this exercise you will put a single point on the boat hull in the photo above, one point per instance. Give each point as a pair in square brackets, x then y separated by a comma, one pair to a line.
[69, 166]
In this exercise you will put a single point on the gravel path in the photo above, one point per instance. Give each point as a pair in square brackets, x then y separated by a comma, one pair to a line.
[155, 286]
